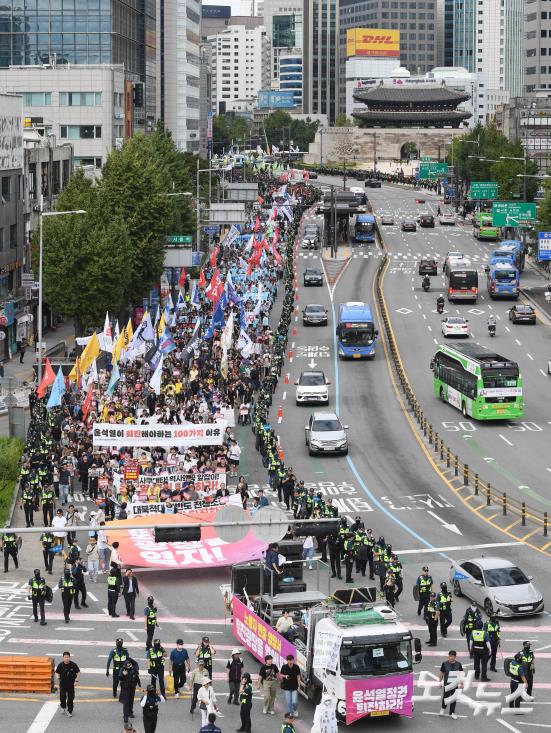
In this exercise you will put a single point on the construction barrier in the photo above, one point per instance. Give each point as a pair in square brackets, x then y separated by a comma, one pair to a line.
[27, 674]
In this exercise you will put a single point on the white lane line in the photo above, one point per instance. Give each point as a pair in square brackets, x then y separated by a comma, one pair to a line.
[544, 374]
[457, 548]
[424, 316]
[530, 356]
[293, 345]
[430, 328]
[505, 439]
[284, 395]
[507, 329]
[517, 342]
[498, 317]
[74, 628]
[435, 340]
[535, 725]
[92, 596]
[43, 717]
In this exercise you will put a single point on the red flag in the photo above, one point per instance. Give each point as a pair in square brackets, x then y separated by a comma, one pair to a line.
[214, 257]
[257, 225]
[88, 401]
[305, 175]
[260, 200]
[202, 279]
[182, 280]
[277, 256]
[48, 378]
[276, 235]
[215, 288]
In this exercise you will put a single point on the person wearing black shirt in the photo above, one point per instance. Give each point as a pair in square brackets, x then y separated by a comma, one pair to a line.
[210, 727]
[290, 676]
[267, 679]
[449, 671]
[68, 674]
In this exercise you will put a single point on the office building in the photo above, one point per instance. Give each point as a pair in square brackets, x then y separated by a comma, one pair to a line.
[448, 32]
[528, 119]
[86, 32]
[537, 46]
[290, 75]
[205, 98]
[88, 106]
[489, 40]
[240, 65]
[179, 63]
[322, 58]
[283, 23]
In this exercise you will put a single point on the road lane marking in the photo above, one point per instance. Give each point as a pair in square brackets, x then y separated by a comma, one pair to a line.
[530, 357]
[544, 374]
[505, 439]
[458, 548]
[44, 717]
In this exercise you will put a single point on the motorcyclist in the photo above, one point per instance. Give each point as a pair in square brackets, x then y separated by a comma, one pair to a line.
[491, 322]
[426, 282]
[440, 302]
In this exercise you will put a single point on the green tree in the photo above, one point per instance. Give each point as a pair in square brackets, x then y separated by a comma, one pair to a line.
[85, 257]
[221, 135]
[343, 121]
[281, 128]
[544, 211]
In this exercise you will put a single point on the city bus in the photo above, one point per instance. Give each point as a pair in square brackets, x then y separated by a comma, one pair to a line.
[479, 382]
[514, 249]
[462, 281]
[356, 332]
[364, 228]
[483, 227]
[502, 278]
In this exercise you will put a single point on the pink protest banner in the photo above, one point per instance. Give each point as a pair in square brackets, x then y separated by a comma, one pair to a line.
[376, 696]
[258, 637]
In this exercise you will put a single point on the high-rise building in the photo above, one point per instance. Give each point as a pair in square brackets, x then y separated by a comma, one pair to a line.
[537, 46]
[283, 23]
[179, 62]
[86, 32]
[488, 39]
[448, 32]
[321, 67]
[290, 75]
[240, 65]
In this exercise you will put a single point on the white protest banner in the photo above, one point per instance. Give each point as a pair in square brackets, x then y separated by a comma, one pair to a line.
[157, 435]
[139, 509]
[326, 650]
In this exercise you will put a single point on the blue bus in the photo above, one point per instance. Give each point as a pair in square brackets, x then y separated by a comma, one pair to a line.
[502, 278]
[356, 332]
[364, 228]
[514, 249]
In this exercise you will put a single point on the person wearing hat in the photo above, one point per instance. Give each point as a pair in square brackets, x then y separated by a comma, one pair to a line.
[206, 699]
[195, 681]
[235, 670]
[424, 588]
[288, 726]
[431, 617]
[129, 728]
[206, 652]
[129, 679]
[178, 664]
[150, 708]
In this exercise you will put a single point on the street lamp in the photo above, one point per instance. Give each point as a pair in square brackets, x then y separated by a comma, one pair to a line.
[40, 284]
[525, 159]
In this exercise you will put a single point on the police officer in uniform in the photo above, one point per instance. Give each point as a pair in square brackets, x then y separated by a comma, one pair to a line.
[113, 592]
[150, 613]
[517, 673]
[445, 606]
[9, 545]
[335, 550]
[150, 707]
[288, 726]
[47, 498]
[471, 617]
[246, 702]
[481, 650]
[156, 656]
[118, 656]
[27, 499]
[67, 586]
[349, 555]
[424, 587]
[47, 540]
[129, 679]
[37, 591]
[205, 652]
[492, 628]
[527, 659]
[397, 570]
[431, 617]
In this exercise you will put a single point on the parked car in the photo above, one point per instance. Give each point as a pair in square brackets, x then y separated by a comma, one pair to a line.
[409, 225]
[314, 315]
[312, 387]
[312, 276]
[387, 220]
[372, 183]
[426, 220]
[521, 313]
[326, 434]
[428, 266]
[455, 326]
[496, 585]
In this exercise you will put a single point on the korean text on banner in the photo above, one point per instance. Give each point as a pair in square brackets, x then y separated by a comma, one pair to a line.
[139, 509]
[157, 435]
[259, 637]
[175, 481]
[327, 647]
[379, 696]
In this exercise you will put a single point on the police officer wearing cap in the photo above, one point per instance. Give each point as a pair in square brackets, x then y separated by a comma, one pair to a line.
[47, 540]
[527, 659]
[424, 588]
[37, 593]
[129, 678]
[205, 652]
[150, 707]
[9, 545]
[481, 651]
[118, 656]
[349, 551]
[517, 673]
[492, 628]
[444, 599]
[431, 617]
[150, 614]
[156, 656]
[471, 617]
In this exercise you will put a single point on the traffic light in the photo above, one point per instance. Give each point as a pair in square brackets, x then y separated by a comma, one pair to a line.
[177, 534]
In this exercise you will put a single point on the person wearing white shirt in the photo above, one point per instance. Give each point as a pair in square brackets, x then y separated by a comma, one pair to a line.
[206, 699]
[308, 550]
[58, 523]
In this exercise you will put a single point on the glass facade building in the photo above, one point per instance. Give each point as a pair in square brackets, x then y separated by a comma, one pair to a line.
[321, 58]
[290, 74]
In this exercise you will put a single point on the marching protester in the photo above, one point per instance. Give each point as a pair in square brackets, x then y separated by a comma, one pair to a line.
[68, 675]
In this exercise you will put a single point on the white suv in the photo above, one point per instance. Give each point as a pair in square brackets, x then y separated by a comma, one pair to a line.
[326, 434]
[312, 387]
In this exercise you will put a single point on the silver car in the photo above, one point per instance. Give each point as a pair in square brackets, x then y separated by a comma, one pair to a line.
[496, 585]
[326, 434]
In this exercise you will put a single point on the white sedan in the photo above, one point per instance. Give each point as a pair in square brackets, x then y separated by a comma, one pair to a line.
[455, 326]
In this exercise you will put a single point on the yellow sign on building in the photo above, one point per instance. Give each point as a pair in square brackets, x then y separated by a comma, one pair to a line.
[376, 42]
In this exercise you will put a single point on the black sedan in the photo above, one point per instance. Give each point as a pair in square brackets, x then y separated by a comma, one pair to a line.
[312, 276]
[520, 313]
[426, 220]
[314, 315]
[372, 183]
[409, 225]
[428, 266]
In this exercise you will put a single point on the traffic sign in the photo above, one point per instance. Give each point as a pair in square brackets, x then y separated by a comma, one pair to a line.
[511, 213]
[433, 170]
[212, 230]
[179, 239]
[484, 190]
[425, 158]
[544, 246]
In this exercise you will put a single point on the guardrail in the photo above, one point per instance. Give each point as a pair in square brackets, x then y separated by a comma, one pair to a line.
[442, 453]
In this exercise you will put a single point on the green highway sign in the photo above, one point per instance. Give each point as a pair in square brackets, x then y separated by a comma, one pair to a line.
[433, 170]
[511, 213]
[425, 158]
[179, 239]
[484, 190]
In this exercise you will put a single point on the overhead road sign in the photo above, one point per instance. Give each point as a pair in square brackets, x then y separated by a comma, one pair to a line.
[484, 190]
[173, 239]
[512, 213]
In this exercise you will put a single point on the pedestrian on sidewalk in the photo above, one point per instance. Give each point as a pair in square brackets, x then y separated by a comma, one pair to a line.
[68, 675]
[58, 522]
[22, 349]
[92, 555]
[290, 676]
[195, 682]
[130, 590]
[206, 699]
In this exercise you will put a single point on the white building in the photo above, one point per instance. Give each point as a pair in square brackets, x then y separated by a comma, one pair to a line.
[178, 58]
[88, 106]
[240, 65]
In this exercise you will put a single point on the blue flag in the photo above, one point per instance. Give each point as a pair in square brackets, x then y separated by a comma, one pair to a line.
[58, 390]
[458, 575]
[217, 321]
[233, 296]
[166, 342]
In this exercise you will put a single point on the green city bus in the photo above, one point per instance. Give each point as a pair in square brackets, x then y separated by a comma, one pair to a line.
[483, 227]
[479, 382]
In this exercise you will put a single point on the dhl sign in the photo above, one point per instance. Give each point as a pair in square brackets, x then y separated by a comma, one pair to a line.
[378, 42]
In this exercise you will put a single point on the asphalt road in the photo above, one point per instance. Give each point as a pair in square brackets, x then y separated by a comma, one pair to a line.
[386, 479]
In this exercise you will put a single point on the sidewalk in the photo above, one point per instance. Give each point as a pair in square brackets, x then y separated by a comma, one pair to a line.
[24, 372]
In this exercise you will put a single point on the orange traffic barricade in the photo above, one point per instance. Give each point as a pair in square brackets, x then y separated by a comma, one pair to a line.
[26, 674]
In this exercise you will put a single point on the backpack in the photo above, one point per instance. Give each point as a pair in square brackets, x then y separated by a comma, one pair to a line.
[48, 594]
[506, 663]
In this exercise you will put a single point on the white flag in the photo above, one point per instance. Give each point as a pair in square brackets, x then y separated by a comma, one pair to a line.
[107, 335]
[244, 344]
[155, 381]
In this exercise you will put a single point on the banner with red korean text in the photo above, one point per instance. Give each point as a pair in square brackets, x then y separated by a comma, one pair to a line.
[157, 435]
[174, 481]
[137, 546]
[258, 637]
[378, 696]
